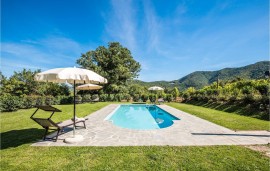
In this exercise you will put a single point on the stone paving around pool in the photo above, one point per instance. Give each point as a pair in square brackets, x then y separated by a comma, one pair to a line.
[188, 131]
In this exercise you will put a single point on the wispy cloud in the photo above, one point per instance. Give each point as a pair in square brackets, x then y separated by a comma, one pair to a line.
[121, 24]
[53, 51]
[152, 27]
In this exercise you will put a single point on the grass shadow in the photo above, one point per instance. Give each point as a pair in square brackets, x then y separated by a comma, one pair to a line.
[15, 138]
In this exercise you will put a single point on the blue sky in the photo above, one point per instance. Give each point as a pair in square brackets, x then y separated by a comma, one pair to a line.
[170, 39]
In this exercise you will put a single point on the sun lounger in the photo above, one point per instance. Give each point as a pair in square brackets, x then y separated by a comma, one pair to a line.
[160, 100]
[49, 124]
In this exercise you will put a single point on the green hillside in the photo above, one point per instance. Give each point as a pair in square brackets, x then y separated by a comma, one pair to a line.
[200, 79]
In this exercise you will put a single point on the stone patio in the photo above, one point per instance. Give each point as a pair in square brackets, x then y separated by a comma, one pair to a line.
[188, 131]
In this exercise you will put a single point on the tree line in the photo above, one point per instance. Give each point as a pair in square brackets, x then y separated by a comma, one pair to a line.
[117, 64]
[21, 91]
[114, 62]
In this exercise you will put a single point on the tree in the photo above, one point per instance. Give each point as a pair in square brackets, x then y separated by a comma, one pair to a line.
[23, 84]
[136, 89]
[175, 92]
[114, 63]
[2, 77]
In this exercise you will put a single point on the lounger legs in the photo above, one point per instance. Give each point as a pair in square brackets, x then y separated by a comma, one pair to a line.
[81, 126]
[46, 131]
[58, 131]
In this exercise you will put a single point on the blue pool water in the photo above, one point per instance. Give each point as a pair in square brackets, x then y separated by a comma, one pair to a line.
[141, 117]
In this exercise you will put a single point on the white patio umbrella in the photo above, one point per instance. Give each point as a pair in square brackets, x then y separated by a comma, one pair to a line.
[71, 75]
[155, 88]
[88, 87]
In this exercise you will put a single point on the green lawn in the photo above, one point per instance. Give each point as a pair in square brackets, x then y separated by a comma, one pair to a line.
[133, 158]
[18, 132]
[229, 120]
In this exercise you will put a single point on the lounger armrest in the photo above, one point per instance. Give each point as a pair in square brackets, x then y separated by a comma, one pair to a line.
[78, 119]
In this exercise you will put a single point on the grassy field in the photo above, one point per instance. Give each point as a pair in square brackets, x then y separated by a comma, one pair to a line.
[229, 120]
[18, 132]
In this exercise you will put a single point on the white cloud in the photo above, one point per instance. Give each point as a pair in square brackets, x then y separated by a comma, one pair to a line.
[152, 27]
[121, 23]
[51, 52]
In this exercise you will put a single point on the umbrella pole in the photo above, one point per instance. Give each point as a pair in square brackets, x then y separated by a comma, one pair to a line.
[75, 138]
[74, 109]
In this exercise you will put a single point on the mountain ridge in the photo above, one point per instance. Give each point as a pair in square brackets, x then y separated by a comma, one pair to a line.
[199, 79]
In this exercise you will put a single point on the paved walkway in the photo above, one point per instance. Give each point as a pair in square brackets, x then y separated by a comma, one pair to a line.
[188, 131]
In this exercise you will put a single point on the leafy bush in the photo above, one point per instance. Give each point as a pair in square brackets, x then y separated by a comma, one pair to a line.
[10, 103]
[56, 100]
[175, 92]
[86, 98]
[127, 97]
[49, 100]
[247, 90]
[40, 100]
[152, 97]
[119, 97]
[110, 98]
[28, 102]
[169, 97]
[186, 96]
[103, 97]
[66, 100]
[78, 98]
[262, 86]
[136, 97]
[222, 97]
[95, 97]
[144, 97]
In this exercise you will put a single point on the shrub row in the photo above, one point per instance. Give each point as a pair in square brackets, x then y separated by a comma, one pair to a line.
[13, 103]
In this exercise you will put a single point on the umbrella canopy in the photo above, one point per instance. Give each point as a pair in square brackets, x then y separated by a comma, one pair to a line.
[70, 75]
[88, 87]
[155, 88]
[62, 75]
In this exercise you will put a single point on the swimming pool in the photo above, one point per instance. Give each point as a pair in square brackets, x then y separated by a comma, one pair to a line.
[141, 117]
